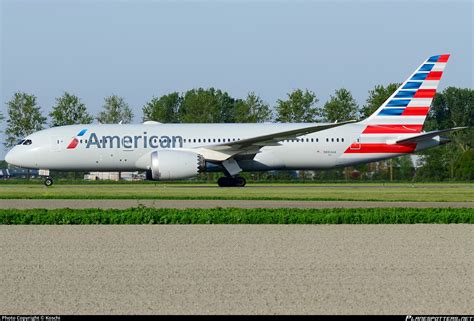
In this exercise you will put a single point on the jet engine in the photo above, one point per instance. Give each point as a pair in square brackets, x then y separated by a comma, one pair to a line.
[173, 164]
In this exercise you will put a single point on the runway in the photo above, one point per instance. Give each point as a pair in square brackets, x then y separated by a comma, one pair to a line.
[181, 204]
[237, 269]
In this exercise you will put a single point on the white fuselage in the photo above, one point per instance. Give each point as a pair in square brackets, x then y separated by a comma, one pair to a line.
[120, 147]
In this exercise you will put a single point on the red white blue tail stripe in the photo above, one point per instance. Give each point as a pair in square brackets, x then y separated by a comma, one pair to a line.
[411, 102]
[401, 115]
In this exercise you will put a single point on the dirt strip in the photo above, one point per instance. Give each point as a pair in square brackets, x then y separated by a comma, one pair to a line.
[237, 269]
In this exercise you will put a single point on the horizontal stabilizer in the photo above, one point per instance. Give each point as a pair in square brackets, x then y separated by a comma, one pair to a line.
[427, 136]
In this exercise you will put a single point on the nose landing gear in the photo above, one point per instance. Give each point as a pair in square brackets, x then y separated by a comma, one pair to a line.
[236, 181]
[48, 181]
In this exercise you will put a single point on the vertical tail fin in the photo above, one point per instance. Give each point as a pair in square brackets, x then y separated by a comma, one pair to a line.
[409, 105]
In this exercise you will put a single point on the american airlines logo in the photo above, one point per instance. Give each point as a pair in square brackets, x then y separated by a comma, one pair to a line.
[127, 142]
[74, 142]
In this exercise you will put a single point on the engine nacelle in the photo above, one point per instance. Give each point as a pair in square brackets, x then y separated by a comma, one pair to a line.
[173, 164]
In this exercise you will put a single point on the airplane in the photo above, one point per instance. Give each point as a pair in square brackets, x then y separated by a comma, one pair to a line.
[181, 151]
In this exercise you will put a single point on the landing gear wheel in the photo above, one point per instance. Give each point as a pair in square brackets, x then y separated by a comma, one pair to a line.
[224, 181]
[231, 181]
[48, 181]
[239, 181]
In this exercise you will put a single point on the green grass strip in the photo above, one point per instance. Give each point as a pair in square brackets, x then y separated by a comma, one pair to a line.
[142, 215]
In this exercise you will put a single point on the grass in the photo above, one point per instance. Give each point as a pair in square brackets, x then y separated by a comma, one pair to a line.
[143, 215]
[320, 192]
[80, 181]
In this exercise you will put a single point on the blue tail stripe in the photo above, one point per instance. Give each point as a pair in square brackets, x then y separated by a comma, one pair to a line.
[405, 94]
[398, 103]
[419, 76]
[412, 85]
[391, 112]
[434, 58]
[426, 67]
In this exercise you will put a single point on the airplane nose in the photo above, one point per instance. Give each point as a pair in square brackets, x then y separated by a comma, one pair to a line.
[10, 157]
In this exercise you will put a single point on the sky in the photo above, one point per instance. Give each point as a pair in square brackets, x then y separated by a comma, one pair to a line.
[140, 49]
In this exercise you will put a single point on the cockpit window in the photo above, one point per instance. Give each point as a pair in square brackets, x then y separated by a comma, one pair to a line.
[20, 142]
[27, 142]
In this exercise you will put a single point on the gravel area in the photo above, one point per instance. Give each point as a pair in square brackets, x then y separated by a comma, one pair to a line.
[237, 269]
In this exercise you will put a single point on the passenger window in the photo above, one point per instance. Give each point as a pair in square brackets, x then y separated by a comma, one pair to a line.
[317, 140]
[327, 140]
[342, 140]
[218, 140]
[337, 140]
[332, 140]
[194, 140]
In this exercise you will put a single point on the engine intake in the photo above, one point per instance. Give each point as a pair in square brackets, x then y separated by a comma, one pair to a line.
[173, 164]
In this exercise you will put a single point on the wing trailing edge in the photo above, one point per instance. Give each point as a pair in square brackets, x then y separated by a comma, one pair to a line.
[252, 145]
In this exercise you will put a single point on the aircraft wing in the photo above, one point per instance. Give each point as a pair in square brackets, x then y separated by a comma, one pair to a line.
[428, 135]
[251, 146]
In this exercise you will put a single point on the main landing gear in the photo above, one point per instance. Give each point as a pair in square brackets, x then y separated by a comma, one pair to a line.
[48, 181]
[227, 181]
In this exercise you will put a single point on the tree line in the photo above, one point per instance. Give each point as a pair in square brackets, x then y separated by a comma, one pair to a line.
[453, 107]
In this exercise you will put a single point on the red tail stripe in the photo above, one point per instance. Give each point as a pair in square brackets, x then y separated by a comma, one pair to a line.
[443, 58]
[380, 148]
[416, 111]
[434, 75]
[425, 93]
[392, 129]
